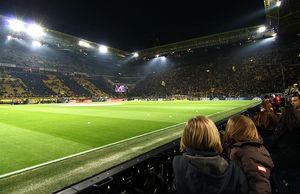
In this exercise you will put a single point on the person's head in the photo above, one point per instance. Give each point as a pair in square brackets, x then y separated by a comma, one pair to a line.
[200, 133]
[266, 97]
[261, 119]
[240, 128]
[266, 106]
[290, 118]
[295, 101]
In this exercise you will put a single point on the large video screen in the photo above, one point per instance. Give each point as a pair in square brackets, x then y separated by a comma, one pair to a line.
[120, 88]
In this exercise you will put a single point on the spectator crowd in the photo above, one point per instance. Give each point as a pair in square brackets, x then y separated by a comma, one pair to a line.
[258, 154]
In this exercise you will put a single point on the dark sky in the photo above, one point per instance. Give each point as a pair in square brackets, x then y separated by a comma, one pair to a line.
[137, 24]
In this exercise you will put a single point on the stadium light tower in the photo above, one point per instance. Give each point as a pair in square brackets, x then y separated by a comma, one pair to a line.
[261, 29]
[136, 54]
[16, 25]
[103, 49]
[278, 3]
[35, 30]
[36, 43]
[84, 44]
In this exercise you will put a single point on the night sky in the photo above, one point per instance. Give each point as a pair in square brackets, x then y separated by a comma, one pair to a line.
[138, 24]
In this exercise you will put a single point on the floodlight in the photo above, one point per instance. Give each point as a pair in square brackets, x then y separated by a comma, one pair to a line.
[278, 3]
[261, 29]
[135, 54]
[36, 43]
[103, 49]
[84, 44]
[16, 25]
[35, 30]
[9, 37]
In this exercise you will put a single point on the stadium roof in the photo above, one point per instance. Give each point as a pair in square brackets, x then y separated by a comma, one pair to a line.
[137, 25]
[57, 39]
[238, 35]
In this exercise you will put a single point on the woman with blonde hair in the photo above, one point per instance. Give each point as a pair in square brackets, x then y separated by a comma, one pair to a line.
[201, 169]
[246, 148]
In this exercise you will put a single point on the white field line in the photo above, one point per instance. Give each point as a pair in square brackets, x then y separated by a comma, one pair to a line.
[98, 148]
[86, 104]
[95, 164]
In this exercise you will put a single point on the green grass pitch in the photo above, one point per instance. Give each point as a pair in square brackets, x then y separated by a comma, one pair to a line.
[35, 134]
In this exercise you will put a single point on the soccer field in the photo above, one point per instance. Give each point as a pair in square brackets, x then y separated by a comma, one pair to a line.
[35, 134]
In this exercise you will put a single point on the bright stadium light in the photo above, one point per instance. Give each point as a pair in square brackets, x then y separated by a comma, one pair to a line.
[36, 43]
[103, 49]
[261, 29]
[135, 54]
[84, 44]
[16, 25]
[278, 3]
[35, 30]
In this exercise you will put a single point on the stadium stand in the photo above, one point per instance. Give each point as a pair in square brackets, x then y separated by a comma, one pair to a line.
[12, 87]
[78, 90]
[103, 84]
[246, 69]
[57, 86]
[34, 83]
[89, 86]
[241, 63]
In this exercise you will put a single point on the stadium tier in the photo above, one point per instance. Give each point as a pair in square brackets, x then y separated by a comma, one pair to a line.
[243, 62]
[247, 68]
